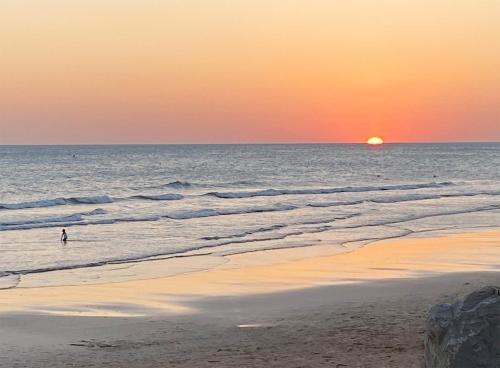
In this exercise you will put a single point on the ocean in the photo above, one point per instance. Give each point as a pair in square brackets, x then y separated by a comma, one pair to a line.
[125, 205]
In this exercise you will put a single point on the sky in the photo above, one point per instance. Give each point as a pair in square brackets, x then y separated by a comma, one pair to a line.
[248, 71]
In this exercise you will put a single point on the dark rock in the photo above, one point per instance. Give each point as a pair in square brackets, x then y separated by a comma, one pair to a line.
[465, 334]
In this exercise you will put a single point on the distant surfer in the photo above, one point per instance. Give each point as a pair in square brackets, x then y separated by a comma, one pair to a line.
[64, 236]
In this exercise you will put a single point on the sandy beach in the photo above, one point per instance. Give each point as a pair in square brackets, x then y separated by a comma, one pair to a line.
[231, 184]
[283, 308]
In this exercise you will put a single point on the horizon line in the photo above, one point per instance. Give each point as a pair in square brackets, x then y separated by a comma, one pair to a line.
[234, 144]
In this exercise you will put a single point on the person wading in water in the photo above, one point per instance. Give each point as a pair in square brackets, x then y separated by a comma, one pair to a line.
[64, 236]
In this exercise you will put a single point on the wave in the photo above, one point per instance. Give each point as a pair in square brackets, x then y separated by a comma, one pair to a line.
[209, 212]
[49, 221]
[179, 185]
[279, 192]
[408, 218]
[406, 198]
[100, 199]
[57, 202]
[402, 198]
[97, 211]
[79, 220]
[324, 228]
[74, 220]
[201, 247]
[91, 200]
[45, 220]
[105, 199]
[187, 184]
[160, 197]
[245, 233]
[335, 203]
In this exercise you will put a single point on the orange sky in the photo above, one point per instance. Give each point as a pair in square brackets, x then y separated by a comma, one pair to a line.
[230, 71]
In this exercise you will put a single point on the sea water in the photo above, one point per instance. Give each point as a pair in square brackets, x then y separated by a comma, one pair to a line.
[134, 203]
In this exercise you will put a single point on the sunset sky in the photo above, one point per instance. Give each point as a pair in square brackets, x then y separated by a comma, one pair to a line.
[237, 71]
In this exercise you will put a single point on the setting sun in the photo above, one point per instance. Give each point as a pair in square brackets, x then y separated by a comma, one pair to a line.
[375, 140]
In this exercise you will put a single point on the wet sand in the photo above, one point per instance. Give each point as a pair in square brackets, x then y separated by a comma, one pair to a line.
[286, 308]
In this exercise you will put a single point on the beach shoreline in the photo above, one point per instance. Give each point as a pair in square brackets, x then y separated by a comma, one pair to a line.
[292, 310]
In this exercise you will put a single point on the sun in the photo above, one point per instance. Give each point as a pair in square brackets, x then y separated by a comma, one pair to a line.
[375, 140]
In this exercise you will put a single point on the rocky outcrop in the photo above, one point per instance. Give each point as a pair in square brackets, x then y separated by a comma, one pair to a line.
[465, 334]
